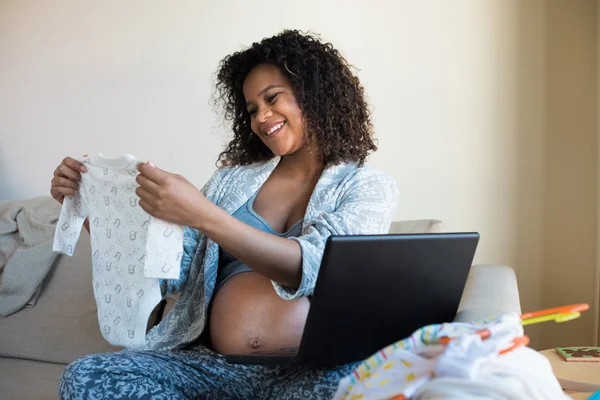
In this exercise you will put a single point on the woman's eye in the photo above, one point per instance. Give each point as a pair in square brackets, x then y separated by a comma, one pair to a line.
[252, 111]
[272, 98]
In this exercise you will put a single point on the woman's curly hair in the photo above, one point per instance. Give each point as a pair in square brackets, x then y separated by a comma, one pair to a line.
[331, 99]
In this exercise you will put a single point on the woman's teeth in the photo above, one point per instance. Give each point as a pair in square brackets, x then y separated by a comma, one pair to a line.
[276, 127]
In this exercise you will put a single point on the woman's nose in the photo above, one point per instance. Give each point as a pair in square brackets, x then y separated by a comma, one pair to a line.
[264, 114]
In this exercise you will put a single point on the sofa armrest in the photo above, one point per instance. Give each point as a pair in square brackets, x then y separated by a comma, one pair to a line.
[491, 290]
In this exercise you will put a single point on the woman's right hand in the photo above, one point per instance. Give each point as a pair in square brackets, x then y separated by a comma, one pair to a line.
[66, 178]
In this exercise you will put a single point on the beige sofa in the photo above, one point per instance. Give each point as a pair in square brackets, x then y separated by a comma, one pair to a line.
[36, 343]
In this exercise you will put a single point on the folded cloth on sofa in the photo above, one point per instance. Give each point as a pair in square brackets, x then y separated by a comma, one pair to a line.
[26, 235]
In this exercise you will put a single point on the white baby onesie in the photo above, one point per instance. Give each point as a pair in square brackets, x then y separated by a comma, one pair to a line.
[131, 250]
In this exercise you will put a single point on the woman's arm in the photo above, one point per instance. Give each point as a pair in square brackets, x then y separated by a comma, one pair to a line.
[172, 198]
[366, 206]
[277, 258]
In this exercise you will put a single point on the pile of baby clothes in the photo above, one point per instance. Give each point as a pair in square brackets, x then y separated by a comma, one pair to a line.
[428, 366]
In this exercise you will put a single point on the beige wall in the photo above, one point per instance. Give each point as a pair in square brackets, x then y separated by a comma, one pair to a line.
[571, 176]
[530, 160]
[597, 277]
[467, 108]
[134, 76]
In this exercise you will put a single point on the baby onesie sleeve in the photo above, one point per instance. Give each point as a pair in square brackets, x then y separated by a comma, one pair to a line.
[72, 215]
[191, 238]
[163, 249]
[192, 255]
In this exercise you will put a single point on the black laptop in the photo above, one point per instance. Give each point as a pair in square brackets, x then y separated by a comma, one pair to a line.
[373, 290]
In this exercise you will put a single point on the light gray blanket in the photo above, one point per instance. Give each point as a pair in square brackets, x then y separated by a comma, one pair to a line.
[26, 256]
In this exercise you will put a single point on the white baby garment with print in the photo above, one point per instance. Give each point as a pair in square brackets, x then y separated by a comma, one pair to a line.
[421, 367]
[131, 250]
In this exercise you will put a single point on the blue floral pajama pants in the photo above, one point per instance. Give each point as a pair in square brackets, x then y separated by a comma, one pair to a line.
[197, 373]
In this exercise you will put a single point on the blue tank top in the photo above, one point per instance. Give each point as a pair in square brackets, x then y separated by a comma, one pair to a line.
[228, 264]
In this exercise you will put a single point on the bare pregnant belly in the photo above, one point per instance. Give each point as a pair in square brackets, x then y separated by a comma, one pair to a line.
[247, 315]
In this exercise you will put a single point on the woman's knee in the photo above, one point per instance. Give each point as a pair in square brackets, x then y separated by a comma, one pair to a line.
[124, 375]
[77, 376]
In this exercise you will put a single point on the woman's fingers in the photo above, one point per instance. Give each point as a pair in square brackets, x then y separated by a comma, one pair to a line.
[66, 171]
[147, 184]
[59, 181]
[145, 197]
[74, 164]
[55, 195]
[66, 178]
[70, 168]
[62, 191]
[151, 172]
[146, 207]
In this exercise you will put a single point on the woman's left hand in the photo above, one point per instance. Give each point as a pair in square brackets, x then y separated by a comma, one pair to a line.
[168, 196]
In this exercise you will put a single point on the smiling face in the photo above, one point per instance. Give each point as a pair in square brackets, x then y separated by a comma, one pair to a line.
[275, 116]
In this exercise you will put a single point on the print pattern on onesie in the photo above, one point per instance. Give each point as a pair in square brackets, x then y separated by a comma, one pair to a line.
[131, 250]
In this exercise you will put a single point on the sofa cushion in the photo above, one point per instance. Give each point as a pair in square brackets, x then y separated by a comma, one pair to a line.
[417, 226]
[25, 379]
[63, 325]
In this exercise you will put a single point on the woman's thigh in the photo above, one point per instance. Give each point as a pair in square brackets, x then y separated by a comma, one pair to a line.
[308, 383]
[199, 374]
